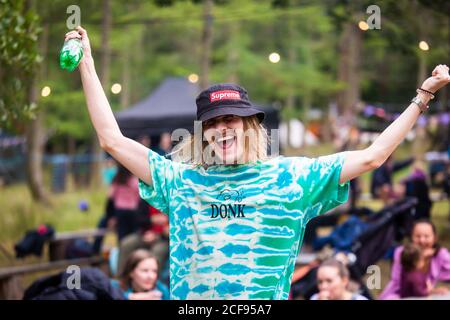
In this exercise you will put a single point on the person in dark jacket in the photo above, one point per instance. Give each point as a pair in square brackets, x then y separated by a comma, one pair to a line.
[33, 241]
[416, 185]
[381, 186]
[94, 285]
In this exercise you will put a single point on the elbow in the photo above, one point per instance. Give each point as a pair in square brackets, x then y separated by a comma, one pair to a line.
[374, 159]
[375, 163]
[109, 144]
[105, 145]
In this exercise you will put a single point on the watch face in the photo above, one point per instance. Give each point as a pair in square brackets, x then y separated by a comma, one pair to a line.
[420, 104]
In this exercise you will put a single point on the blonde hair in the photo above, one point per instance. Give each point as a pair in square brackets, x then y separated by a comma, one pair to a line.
[193, 152]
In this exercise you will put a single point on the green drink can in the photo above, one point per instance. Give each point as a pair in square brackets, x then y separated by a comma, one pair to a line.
[71, 54]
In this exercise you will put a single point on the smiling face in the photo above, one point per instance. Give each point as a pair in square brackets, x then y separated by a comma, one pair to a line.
[330, 283]
[225, 135]
[423, 235]
[144, 276]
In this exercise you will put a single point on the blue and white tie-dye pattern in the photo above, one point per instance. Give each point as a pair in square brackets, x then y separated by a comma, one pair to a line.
[235, 230]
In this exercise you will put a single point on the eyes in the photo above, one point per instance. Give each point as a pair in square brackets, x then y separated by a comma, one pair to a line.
[227, 119]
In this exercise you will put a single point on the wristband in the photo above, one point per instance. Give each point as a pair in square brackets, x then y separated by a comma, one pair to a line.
[420, 90]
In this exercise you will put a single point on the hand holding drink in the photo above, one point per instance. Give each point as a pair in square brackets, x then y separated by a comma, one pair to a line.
[71, 54]
[76, 48]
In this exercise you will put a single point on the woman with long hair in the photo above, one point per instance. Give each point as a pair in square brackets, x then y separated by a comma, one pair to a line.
[436, 266]
[139, 278]
[237, 217]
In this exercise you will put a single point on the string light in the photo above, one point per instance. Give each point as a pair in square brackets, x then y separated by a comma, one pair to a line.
[274, 57]
[116, 88]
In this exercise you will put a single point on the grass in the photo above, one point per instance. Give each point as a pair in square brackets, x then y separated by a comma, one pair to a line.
[20, 213]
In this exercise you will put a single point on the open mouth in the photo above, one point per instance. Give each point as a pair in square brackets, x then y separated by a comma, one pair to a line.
[226, 142]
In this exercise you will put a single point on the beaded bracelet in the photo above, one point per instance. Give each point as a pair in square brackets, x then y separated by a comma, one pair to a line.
[419, 90]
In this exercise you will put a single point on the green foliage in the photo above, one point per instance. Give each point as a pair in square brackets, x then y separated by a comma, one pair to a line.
[158, 39]
[19, 58]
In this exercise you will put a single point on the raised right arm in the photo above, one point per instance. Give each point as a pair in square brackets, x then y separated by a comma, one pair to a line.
[128, 152]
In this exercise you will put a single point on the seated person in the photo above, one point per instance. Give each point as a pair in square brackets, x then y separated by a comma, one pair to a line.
[139, 278]
[153, 236]
[381, 186]
[416, 185]
[437, 260]
[414, 281]
[333, 279]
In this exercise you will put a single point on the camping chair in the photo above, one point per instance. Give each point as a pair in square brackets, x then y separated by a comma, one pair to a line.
[391, 223]
[386, 227]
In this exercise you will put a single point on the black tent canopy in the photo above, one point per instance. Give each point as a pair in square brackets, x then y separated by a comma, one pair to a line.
[170, 106]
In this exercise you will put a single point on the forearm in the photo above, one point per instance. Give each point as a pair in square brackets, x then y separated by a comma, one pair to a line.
[360, 161]
[393, 135]
[99, 109]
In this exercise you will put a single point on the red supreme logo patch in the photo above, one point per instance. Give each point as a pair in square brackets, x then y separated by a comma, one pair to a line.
[224, 95]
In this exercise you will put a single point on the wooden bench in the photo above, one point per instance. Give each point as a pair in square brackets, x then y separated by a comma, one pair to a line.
[60, 242]
[10, 277]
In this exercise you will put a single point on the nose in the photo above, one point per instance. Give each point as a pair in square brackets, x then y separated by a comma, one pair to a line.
[221, 129]
[220, 125]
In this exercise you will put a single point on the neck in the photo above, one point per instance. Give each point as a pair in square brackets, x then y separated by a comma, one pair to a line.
[346, 295]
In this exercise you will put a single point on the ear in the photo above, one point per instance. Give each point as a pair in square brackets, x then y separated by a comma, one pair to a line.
[345, 281]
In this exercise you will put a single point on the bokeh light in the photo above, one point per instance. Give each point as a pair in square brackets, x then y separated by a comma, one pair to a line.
[116, 88]
[274, 57]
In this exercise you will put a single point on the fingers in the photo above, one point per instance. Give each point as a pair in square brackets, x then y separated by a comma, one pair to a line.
[441, 71]
[81, 30]
[72, 35]
[435, 71]
[446, 71]
[443, 68]
[79, 33]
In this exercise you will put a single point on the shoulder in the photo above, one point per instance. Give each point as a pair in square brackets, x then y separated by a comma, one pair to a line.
[357, 296]
[115, 283]
[315, 296]
[442, 254]
[397, 252]
[290, 162]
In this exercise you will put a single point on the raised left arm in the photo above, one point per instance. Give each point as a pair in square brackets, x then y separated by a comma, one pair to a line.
[361, 161]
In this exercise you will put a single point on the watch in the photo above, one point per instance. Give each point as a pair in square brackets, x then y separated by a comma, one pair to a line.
[420, 104]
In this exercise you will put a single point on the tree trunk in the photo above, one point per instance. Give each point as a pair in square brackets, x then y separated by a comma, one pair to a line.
[292, 58]
[105, 59]
[206, 44]
[35, 143]
[35, 132]
[348, 72]
[233, 53]
[125, 94]
[71, 151]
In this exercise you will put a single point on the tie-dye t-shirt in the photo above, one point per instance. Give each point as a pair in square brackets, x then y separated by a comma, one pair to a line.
[236, 230]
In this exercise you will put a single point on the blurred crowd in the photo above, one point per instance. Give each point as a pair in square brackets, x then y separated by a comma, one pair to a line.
[402, 232]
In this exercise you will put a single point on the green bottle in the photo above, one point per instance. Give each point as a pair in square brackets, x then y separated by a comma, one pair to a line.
[71, 54]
